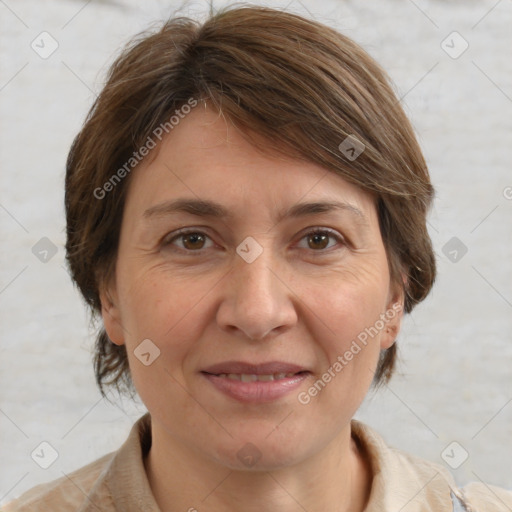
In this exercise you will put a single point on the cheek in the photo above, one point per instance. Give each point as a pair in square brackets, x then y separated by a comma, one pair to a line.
[345, 322]
[348, 301]
[168, 312]
[166, 309]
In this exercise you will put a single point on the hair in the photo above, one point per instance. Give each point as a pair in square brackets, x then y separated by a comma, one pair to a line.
[299, 86]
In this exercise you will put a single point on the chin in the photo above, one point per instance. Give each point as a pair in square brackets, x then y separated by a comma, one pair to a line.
[257, 453]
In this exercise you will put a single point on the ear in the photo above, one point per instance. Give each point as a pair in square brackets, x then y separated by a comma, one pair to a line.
[393, 318]
[111, 315]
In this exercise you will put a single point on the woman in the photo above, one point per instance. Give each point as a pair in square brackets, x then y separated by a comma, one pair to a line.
[246, 209]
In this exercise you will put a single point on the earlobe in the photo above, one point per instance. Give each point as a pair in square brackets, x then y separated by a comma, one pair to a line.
[393, 318]
[390, 334]
[111, 318]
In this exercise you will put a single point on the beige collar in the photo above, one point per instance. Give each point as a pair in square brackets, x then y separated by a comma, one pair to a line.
[401, 482]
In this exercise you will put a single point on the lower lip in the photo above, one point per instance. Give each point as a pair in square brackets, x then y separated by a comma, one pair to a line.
[257, 391]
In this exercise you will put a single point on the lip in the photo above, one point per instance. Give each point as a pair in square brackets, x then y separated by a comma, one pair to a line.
[251, 368]
[257, 391]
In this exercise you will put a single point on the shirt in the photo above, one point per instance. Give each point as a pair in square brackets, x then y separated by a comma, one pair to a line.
[117, 482]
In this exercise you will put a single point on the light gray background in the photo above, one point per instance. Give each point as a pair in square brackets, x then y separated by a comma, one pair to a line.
[456, 349]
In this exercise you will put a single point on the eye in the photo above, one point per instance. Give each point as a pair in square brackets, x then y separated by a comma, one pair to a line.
[318, 239]
[191, 240]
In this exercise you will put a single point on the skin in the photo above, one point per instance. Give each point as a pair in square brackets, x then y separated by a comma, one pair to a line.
[301, 301]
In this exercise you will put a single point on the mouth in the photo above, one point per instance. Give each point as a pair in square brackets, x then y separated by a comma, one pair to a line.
[255, 382]
[267, 368]
[254, 377]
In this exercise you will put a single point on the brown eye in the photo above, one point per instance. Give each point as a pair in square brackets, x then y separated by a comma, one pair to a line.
[319, 239]
[189, 241]
[193, 241]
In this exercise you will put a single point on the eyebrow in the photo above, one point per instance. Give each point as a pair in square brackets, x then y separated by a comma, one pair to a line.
[207, 208]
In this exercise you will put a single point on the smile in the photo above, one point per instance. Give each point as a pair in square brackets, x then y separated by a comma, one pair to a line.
[252, 377]
[256, 388]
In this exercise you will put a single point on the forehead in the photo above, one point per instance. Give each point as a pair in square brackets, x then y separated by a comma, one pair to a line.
[205, 156]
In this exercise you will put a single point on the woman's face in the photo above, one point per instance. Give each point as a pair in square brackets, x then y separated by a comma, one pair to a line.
[229, 325]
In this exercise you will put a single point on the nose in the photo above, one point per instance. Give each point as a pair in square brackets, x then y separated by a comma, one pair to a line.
[256, 299]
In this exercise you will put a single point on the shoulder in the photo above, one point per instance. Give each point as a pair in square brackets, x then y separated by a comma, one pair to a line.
[402, 481]
[66, 493]
[118, 477]
[483, 497]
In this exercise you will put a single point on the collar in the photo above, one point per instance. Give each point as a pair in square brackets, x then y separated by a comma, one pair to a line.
[123, 484]
[400, 481]
[405, 482]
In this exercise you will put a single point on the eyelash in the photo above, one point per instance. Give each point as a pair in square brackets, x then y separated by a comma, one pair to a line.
[315, 231]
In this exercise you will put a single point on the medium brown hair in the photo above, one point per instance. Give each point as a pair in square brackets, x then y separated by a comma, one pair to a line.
[298, 85]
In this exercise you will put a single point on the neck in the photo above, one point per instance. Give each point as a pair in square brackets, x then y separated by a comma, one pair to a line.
[336, 479]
